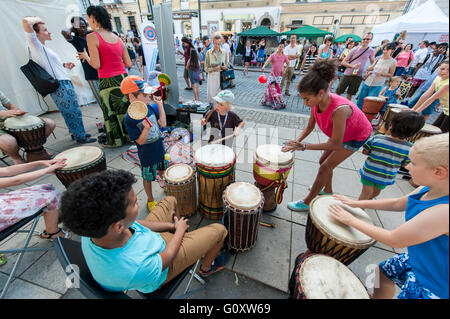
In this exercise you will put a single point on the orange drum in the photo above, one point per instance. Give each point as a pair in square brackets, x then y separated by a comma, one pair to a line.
[372, 106]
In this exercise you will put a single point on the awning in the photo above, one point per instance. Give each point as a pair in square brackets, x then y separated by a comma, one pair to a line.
[260, 31]
[344, 38]
[307, 31]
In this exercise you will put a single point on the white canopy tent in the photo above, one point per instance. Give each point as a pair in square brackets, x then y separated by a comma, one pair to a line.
[14, 53]
[426, 22]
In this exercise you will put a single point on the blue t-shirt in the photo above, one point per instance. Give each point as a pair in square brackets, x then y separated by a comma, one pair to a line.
[429, 260]
[135, 266]
[152, 151]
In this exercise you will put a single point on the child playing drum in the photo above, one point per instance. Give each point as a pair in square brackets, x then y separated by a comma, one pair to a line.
[147, 138]
[224, 122]
[387, 153]
[421, 272]
[342, 121]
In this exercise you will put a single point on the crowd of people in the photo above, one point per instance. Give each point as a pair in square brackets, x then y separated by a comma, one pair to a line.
[123, 253]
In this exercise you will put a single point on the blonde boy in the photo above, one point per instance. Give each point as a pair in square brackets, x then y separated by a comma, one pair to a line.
[422, 272]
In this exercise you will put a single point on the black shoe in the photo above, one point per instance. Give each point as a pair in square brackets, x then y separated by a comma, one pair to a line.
[86, 140]
[188, 89]
[87, 136]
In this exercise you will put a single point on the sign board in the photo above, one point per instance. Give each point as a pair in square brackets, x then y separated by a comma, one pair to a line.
[149, 45]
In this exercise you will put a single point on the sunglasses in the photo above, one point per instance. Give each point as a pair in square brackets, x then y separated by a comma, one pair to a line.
[367, 39]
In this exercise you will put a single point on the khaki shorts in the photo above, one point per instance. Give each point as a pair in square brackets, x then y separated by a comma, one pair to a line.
[195, 244]
[352, 82]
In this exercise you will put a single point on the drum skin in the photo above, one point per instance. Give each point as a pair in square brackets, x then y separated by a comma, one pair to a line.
[29, 137]
[427, 130]
[184, 190]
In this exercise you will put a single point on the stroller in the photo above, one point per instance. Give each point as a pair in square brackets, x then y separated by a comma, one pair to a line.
[270, 100]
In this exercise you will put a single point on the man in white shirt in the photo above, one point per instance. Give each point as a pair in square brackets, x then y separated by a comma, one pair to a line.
[293, 53]
[419, 55]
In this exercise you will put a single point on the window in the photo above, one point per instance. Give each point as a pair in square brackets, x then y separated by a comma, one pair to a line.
[118, 24]
[323, 20]
[132, 22]
[246, 26]
[364, 19]
[297, 22]
[184, 4]
[228, 26]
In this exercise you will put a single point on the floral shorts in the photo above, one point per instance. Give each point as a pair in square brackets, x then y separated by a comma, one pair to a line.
[400, 272]
[19, 204]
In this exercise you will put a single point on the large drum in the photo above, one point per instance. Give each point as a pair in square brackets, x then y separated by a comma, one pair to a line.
[322, 277]
[391, 110]
[29, 132]
[427, 130]
[372, 106]
[271, 169]
[81, 161]
[327, 236]
[181, 183]
[215, 171]
[243, 204]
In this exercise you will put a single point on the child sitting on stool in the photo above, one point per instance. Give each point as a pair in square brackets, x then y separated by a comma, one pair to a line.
[274, 93]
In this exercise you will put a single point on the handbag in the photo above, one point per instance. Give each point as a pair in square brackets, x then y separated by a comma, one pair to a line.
[39, 78]
[344, 67]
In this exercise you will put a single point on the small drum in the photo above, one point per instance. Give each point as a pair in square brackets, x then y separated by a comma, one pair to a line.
[29, 132]
[215, 171]
[322, 277]
[243, 203]
[271, 168]
[391, 110]
[181, 183]
[81, 161]
[372, 106]
[427, 130]
[325, 235]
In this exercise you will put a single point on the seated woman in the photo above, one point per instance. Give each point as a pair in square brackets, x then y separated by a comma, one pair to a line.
[24, 202]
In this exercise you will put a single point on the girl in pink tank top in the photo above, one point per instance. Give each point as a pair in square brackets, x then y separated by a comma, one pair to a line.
[345, 124]
[111, 63]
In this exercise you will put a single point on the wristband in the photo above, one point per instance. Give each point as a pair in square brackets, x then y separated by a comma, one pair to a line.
[304, 146]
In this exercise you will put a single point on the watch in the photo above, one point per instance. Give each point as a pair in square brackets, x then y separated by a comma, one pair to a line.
[304, 146]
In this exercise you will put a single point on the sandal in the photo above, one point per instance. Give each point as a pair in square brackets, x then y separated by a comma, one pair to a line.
[45, 235]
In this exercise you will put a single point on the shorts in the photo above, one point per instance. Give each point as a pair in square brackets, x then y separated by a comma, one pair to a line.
[194, 77]
[247, 59]
[354, 145]
[352, 82]
[149, 173]
[370, 183]
[400, 272]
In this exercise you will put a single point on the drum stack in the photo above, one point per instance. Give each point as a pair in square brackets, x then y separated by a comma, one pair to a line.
[372, 106]
[29, 132]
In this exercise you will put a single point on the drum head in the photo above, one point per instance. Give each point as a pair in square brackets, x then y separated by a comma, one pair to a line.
[323, 277]
[80, 156]
[214, 155]
[375, 98]
[398, 106]
[137, 110]
[428, 128]
[271, 155]
[243, 196]
[178, 173]
[349, 236]
[23, 122]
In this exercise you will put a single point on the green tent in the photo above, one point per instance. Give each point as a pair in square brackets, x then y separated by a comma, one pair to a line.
[260, 31]
[307, 31]
[344, 37]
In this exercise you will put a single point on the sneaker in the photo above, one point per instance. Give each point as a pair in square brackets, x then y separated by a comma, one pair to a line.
[87, 136]
[86, 140]
[299, 206]
[217, 265]
[151, 205]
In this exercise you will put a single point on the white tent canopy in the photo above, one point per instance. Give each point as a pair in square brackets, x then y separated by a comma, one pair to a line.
[426, 22]
[14, 54]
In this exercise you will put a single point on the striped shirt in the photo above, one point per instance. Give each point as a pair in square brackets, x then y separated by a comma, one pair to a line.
[386, 157]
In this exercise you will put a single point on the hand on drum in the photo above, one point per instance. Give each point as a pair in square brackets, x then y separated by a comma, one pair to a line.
[345, 200]
[180, 224]
[341, 215]
[13, 113]
[54, 164]
[292, 146]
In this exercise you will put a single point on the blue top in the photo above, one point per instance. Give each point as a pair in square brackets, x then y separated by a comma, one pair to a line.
[392, 98]
[152, 151]
[429, 260]
[135, 266]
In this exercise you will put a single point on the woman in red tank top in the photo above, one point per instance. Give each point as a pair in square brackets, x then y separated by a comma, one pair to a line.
[109, 56]
[338, 118]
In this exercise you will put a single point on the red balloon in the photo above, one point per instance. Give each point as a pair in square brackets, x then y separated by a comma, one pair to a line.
[262, 79]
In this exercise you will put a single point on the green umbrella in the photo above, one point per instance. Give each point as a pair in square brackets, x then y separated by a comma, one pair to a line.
[260, 31]
[307, 31]
[344, 37]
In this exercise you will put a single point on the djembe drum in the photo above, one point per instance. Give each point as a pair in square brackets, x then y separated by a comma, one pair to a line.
[322, 277]
[215, 171]
[391, 110]
[29, 132]
[181, 183]
[81, 161]
[427, 130]
[372, 106]
[271, 168]
[243, 204]
[327, 236]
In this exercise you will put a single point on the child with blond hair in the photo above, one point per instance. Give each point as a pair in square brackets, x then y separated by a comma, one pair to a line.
[423, 271]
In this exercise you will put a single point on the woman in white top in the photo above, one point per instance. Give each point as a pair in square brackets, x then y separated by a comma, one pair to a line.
[248, 54]
[65, 98]
[377, 74]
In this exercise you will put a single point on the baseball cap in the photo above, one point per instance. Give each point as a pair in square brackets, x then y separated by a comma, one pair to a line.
[134, 83]
[224, 96]
[205, 38]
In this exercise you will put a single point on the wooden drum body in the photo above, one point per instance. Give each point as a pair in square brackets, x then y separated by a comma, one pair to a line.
[215, 171]
[271, 169]
[29, 132]
[322, 277]
[372, 106]
[391, 110]
[81, 161]
[325, 235]
[427, 130]
[181, 183]
[243, 204]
